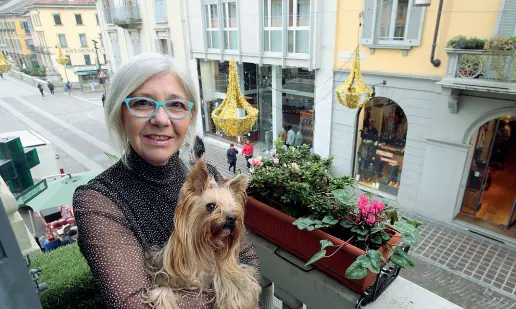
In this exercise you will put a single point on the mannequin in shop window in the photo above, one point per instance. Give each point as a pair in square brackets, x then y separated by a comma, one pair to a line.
[298, 140]
[283, 135]
[366, 153]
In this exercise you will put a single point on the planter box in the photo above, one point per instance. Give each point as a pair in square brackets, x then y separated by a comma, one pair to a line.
[277, 227]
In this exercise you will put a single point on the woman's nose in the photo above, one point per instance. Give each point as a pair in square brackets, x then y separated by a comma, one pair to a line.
[161, 118]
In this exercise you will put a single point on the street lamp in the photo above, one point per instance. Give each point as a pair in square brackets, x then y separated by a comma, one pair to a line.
[63, 60]
[101, 80]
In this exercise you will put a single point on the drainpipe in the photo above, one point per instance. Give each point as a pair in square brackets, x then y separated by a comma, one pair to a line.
[436, 62]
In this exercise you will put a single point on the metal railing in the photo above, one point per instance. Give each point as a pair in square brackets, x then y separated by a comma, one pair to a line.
[124, 15]
[481, 64]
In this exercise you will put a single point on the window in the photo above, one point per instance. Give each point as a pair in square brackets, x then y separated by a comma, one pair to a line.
[299, 26]
[212, 25]
[230, 25]
[164, 46]
[62, 40]
[57, 19]
[380, 145]
[391, 23]
[97, 18]
[137, 49]
[87, 60]
[78, 19]
[116, 52]
[272, 25]
[84, 42]
[161, 13]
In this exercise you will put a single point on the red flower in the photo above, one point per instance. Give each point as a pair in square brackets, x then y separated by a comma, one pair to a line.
[371, 219]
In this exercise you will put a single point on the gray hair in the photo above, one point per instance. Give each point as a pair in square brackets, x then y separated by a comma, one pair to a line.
[129, 78]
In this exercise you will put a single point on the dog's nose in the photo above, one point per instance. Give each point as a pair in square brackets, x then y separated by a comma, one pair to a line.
[230, 221]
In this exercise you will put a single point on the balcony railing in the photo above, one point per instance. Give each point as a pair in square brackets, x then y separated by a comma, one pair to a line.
[125, 17]
[482, 65]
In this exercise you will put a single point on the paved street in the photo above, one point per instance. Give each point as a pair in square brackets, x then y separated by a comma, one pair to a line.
[466, 269]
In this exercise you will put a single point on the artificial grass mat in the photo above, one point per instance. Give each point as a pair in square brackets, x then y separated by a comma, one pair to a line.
[69, 280]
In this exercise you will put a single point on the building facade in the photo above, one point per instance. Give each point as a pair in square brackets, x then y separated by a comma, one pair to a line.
[72, 26]
[284, 53]
[436, 137]
[15, 34]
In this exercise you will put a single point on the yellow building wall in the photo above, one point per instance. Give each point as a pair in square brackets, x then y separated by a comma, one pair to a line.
[459, 17]
[20, 33]
[71, 31]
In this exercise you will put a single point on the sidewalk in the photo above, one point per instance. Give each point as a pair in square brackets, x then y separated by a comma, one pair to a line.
[466, 269]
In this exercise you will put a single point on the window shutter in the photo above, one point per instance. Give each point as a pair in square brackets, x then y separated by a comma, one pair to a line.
[158, 48]
[414, 26]
[368, 24]
[170, 49]
[506, 25]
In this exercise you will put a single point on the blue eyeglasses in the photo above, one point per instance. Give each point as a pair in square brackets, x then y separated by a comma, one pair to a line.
[143, 107]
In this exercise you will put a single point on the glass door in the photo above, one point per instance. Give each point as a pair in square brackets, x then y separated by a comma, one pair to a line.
[478, 175]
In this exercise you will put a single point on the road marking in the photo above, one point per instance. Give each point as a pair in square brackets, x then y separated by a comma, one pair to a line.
[65, 147]
[100, 144]
[85, 100]
[94, 118]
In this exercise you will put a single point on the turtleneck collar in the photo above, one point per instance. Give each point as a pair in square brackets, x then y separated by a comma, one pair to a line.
[159, 174]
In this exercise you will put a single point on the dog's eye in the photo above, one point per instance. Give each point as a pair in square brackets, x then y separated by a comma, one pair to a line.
[211, 206]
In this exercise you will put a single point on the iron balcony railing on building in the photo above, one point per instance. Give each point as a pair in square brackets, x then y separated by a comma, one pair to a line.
[481, 65]
[127, 17]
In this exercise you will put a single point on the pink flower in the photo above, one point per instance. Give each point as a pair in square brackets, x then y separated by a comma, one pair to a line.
[371, 219]
[363, 202]
[378, 206]
[295, 166]
[256, 161]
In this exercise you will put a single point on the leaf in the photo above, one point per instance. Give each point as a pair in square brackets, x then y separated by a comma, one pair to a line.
[325, 243]
[359, 230]
[356, 270]
[361, 237]
[414, 223]
[377, 239]
[378, 228]
[319, 255]
[386, 236]
[410, 239]
[310, 228]
[343, 195]
[346, 224]
[317, 226]
[304, 223]
[374, 257]
[330, 220]
[404, 228]
[401, 259]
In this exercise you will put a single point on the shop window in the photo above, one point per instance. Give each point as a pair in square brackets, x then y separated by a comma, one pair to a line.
[380, 145]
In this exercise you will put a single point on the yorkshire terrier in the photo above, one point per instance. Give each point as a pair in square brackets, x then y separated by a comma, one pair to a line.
[202, 255]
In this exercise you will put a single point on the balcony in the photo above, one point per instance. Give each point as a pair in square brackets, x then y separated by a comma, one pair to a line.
[126, 17]
[480, 70]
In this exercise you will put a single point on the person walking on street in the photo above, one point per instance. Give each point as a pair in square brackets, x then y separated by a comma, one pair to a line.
[41, 90]
[2, 74]
[247, 152]
[50, 87]
[232, 157]
[103, 98]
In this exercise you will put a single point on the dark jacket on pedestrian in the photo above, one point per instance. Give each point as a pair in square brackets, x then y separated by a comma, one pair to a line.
[50, 86]
[232, 155]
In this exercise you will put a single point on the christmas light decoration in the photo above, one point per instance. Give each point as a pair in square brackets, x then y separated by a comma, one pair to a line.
[228, 116]
[4, 64]
[354, 93]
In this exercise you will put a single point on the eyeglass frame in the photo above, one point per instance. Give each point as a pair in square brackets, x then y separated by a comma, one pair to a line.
[158, 104]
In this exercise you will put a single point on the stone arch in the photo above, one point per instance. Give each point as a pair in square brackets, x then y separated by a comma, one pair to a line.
[493, 114]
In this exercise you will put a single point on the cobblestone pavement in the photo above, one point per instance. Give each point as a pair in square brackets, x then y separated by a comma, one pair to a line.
[466, 269]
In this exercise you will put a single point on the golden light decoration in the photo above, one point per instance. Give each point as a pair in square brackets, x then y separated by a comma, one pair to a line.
[354, 93]
[225, 116]
[61, 59]
[4, 64]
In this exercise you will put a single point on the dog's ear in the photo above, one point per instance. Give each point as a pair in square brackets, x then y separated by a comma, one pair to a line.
[239, 184]
[198, 178]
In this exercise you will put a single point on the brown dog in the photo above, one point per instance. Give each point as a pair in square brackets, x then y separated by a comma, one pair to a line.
[201, 256]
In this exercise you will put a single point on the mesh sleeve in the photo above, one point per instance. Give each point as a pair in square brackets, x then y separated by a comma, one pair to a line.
[111, 249]
[248, 255]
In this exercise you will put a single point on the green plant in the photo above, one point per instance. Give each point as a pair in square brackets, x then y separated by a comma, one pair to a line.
[371, 225]
[112, 157]
[298, 180]
[461, 42]
[501, 44]
[69, 280]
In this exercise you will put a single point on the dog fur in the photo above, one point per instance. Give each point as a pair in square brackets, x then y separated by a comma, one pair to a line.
[201, 256]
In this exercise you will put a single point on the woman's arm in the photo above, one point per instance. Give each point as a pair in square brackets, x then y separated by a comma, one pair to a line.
[111, 249]
[248, 255]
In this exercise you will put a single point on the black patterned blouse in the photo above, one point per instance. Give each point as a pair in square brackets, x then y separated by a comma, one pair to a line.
[124, 211]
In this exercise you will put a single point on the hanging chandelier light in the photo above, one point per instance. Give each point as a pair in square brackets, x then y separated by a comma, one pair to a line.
[235, 116]
[61, 59]
[354, 93]
[4, 64]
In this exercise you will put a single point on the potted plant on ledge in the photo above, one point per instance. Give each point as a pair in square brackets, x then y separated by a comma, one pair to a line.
[298, 205]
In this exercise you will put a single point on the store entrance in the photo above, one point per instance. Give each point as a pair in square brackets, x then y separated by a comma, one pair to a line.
[490, 196]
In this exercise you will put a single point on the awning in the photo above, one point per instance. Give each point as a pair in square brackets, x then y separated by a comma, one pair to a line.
[86, 73]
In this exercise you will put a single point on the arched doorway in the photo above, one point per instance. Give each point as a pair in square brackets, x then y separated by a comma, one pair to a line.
[380, 145]
[490, 195]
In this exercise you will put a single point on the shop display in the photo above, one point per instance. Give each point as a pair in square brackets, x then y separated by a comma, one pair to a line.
[381, 146]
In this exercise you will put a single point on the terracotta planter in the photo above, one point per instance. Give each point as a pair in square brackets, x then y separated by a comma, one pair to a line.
[277, 227]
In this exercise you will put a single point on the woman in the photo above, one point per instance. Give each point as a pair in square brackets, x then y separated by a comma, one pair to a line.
[130, 207]
[247, 152]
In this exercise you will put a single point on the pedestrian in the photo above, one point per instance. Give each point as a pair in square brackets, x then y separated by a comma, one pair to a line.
[247, 152]
[103, 98]
[41, 90]
[197, 154]
[232, 157]
[2, 74]
[51, 87]
[68, 86]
